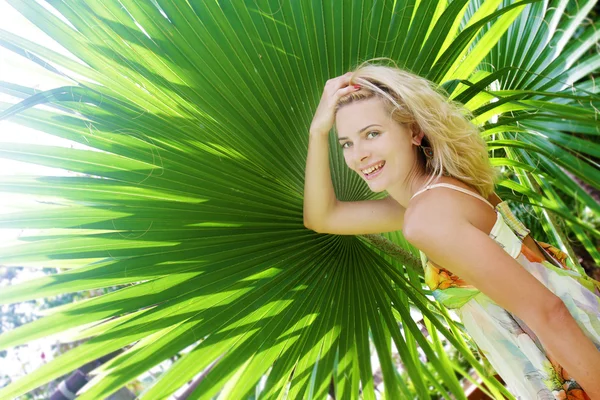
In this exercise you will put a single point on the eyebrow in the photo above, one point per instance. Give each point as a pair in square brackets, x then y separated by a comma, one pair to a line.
[363, 129]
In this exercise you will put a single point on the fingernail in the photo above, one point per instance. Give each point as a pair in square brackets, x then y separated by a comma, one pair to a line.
[356, 86]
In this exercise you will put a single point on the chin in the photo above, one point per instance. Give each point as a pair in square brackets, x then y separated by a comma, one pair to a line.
[378, 190]
[377, 187]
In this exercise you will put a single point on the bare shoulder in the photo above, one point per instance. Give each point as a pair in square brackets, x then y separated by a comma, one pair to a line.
[433, 212]
[440, 210]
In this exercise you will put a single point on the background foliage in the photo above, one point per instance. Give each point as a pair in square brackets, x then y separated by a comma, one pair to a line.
[190, 200]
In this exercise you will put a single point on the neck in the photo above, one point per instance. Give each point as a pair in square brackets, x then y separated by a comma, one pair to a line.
[402, 193]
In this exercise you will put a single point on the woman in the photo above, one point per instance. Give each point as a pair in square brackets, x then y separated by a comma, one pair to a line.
[402, 136]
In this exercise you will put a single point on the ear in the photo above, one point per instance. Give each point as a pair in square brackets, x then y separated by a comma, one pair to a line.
[417, 135]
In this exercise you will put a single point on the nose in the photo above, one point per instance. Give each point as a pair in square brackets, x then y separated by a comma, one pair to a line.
[362, 152]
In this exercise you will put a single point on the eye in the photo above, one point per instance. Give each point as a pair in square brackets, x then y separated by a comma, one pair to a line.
[346, 143]
[373, 132]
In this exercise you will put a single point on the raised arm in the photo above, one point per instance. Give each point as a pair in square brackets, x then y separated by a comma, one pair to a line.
[323, 212]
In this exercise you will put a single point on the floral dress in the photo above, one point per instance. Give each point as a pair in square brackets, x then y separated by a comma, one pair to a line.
[507, 342]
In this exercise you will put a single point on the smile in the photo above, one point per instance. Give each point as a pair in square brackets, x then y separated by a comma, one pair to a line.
[373, 171]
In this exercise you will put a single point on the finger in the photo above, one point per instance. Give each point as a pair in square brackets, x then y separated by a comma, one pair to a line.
[342, 81]
[345, 79]
[346, 90]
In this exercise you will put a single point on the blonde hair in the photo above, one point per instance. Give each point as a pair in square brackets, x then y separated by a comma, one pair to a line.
[458, 148]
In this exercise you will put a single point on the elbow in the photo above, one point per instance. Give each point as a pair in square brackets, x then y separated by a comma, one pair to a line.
[557, 312]
[309, 224]
[554, 313]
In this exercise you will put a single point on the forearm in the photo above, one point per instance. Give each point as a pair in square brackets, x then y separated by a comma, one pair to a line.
[573, 350]
[319, 196]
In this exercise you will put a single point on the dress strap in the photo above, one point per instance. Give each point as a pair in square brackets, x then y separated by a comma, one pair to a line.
[448, 185]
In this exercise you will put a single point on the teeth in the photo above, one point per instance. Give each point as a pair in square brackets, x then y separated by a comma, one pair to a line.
[376, 167]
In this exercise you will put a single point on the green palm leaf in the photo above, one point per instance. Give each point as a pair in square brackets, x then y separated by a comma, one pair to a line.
[189, 199]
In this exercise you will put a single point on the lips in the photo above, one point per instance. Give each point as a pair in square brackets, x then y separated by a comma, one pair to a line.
[373, 169]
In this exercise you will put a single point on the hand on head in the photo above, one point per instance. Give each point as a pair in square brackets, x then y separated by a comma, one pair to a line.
[324, 117]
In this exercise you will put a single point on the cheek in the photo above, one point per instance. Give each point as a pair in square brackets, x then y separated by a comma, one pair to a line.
[347, 158]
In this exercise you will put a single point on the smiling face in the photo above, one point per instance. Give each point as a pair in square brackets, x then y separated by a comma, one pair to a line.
[379, 149]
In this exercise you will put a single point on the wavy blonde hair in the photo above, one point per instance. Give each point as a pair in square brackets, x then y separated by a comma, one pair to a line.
[458, 148]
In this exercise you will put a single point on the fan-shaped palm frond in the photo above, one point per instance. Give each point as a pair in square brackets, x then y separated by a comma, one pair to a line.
[190, 199]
